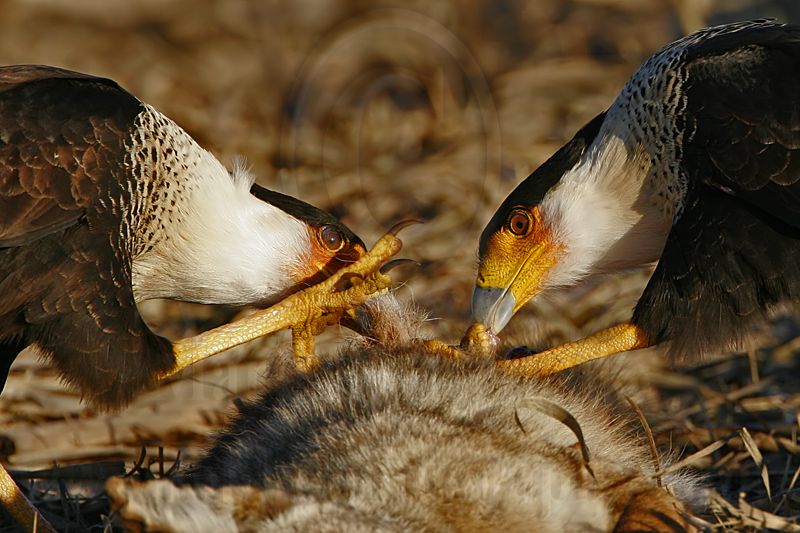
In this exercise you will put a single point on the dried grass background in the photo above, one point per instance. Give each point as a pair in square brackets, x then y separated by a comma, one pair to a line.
[380, 111]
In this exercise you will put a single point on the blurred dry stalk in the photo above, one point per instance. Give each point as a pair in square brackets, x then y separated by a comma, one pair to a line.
[378, 112]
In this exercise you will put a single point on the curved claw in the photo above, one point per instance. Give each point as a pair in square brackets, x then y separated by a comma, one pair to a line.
[399, 226]
[394, 263]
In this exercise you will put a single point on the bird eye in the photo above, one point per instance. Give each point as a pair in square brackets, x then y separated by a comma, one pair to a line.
[519, 223]
[331, 238]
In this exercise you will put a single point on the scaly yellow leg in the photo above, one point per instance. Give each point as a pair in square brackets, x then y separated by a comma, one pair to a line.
[620, 338]
[476, 341]
[19, 507]
[306, 312]
[303, 348]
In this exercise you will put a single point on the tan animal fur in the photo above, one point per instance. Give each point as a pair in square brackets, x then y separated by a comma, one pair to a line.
[395, 439]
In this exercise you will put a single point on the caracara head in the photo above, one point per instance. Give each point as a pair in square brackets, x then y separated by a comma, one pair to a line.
[230, 241]
[318, 246]
[581, 212]
[517, 253]
[524, 241]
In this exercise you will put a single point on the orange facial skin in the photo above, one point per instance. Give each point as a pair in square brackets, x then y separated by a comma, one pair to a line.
[331, 250]
[514, 264]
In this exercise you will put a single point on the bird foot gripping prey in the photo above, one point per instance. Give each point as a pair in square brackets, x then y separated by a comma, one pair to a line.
[477, 341]
[307, 312]
[620, 338]
[482, 342]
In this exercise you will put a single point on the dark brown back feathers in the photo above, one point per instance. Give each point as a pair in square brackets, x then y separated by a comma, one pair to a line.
[65, 265]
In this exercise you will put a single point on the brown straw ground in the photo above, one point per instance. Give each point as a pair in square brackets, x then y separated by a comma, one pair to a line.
[379, 112]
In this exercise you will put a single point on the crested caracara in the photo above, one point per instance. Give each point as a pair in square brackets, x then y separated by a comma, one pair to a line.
[105, 202]
[695, 166]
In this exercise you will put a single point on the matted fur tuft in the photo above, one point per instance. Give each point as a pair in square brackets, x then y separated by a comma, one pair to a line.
[386, 320]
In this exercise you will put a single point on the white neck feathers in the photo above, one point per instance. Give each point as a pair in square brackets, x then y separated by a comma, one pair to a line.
[216, 242]
[602, 213]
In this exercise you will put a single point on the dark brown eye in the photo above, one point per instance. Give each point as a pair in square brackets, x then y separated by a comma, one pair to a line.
[331, 238]
[519, 223]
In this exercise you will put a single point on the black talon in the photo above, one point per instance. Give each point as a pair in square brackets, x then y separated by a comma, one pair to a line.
[394, 230]
[394, 263]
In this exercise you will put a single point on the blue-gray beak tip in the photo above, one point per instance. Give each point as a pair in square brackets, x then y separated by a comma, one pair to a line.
[492, 307]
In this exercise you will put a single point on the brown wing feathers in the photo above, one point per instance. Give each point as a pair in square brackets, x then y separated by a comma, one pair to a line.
[64, 267]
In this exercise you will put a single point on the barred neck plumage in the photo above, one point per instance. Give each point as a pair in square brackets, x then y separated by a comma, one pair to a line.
[166, 165]
[645, 117]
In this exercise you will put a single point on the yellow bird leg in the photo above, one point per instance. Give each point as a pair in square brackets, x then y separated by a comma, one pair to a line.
[19, 507]
[303, 348]
[476, 341]
[307, 312]
[441, 348]
[620, 338]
